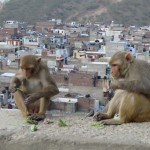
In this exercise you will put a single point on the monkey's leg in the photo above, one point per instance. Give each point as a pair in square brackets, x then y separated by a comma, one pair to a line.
[107, 115]
[125, 109]
[99, 116]
[141, 108]
[19, 101]
[106, 107]
[112, 122]
[43, 106]
[113, 107]
[133, 108]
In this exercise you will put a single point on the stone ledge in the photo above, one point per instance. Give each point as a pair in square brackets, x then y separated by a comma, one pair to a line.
[15, 134]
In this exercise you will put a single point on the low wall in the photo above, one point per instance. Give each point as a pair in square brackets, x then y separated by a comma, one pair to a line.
[15, 134]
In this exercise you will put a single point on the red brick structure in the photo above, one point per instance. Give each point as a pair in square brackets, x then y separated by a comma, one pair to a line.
[85, 104]
[11, 31]
[77, 78]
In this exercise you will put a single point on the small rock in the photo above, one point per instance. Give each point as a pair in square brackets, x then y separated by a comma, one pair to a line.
[47, 121]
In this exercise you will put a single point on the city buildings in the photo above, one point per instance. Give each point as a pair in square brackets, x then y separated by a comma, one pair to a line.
[77, 56]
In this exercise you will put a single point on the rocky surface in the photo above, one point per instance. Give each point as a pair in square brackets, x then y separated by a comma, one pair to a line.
[15, 134]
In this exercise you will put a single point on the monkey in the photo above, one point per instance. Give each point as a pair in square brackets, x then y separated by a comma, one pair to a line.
[132, 91]
[134, 74]
[32, 87]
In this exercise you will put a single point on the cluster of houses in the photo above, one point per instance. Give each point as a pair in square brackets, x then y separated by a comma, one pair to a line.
[76, 54]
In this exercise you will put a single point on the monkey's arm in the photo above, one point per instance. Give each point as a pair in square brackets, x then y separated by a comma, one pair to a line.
[49, 89]
[132, 86]
[15, 82]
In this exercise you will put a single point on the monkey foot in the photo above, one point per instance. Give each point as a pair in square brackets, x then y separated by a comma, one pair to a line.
[111, 122]
[100, 116]
[37, 117]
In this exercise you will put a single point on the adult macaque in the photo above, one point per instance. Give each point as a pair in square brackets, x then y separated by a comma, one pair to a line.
[33, 87]
[132, 96]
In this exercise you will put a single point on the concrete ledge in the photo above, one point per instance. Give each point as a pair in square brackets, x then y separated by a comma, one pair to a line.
[15, 134]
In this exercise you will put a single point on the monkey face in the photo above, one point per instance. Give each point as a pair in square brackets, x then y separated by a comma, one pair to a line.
[27, 69]
[27, 72]
[115, 69]
[119, 63]
[29, 64]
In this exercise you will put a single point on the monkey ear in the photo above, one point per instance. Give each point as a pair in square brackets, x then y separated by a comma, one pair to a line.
[129, 57]
[38, 59]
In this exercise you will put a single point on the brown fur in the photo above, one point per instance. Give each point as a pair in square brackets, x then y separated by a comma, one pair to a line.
[135, 74]
[132, 96]
[32, 94]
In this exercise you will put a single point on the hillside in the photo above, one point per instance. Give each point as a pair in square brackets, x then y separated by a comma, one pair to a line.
[3, 1]
[128, 12]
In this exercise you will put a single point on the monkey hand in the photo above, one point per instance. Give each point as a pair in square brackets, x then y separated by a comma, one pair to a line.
[30, 99]
[15, 83]
[99, 116]
[13, 88]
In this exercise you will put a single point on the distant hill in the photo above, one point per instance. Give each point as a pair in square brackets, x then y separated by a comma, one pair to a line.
[128, 12]
[3, 1]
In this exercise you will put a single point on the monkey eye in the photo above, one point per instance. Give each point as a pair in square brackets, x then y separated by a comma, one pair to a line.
[25, 68]
[28, 69]
[114, 65]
